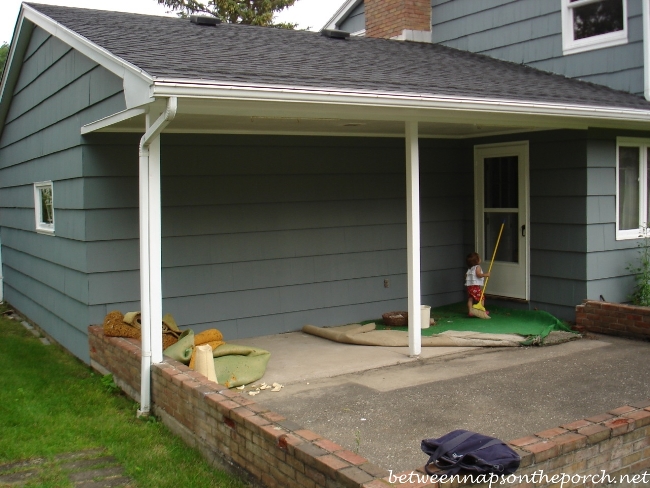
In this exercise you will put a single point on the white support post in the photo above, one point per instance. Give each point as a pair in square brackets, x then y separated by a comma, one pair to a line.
[413, 237]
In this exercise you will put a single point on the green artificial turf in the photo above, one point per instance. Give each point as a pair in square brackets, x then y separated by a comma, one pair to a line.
[51, 404]
[529, 323]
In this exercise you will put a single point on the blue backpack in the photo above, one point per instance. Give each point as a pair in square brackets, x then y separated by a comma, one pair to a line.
[469, 451]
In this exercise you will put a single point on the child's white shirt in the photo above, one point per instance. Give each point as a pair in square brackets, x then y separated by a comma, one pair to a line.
[471, 279]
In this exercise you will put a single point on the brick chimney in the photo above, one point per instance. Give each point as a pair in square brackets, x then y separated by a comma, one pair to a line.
[399, 19]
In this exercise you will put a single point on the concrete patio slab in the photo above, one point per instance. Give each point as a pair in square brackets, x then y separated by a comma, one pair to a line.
[381, 403]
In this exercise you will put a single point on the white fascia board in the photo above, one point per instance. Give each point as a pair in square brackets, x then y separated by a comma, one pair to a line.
[112, 119]
[137, 82]
[14, 61]
[187, 89]
[344, 10]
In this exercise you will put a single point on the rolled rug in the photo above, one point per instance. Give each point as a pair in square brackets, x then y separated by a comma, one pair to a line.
[182, 350]
[213, 337]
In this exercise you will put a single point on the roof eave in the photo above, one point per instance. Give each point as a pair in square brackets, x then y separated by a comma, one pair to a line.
[341, 13]
[136, 82]
[562, 116]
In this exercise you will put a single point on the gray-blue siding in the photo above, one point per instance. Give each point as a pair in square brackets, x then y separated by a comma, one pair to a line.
[355, 21]
[265, 234]
[530, 32]
[46, 277]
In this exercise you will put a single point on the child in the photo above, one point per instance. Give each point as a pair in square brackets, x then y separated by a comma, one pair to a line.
[474, 281]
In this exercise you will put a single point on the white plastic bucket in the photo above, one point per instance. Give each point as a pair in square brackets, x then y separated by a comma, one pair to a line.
[425, 313]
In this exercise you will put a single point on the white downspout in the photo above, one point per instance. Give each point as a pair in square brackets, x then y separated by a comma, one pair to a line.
[150, 251]
[413, 237]
[646, 49]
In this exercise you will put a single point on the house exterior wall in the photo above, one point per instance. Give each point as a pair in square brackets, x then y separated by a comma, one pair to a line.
[263, 235]
[557, 208]
[607, 258]
[355, 21]
[574, 254]
[530, 32]
[558, 194]
[45, 276]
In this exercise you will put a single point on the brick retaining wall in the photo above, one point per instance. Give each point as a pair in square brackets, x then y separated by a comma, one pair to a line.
[614, 319]
[233, 431]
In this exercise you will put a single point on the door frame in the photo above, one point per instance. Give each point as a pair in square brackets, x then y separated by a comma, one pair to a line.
[522, 150]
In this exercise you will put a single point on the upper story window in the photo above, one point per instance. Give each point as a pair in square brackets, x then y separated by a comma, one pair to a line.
[44, 207]
[632, 187]
[593, 24]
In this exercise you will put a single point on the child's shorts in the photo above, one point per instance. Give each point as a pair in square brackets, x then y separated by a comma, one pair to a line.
[474, 291]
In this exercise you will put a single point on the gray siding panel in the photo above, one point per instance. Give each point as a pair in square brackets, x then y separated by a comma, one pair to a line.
[115, 255]
[301, 229]
[70, 282]
[59, 166]
[62, 306]
[60, 330]
[530, 32]
[264, 234]
[355, 21]
[607, 260]
[42, 56]
[46, 277]
[615, 290]
[65, 71]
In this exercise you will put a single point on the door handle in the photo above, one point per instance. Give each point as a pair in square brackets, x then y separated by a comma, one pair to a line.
[523, 230]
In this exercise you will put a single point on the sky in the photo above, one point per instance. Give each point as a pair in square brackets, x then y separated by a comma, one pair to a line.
[310, 14]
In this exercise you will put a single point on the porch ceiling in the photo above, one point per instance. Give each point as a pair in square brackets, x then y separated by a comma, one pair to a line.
[337, 118]
[195, 123]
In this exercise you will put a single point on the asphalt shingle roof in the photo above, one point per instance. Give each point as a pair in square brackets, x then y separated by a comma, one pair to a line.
[168, 47]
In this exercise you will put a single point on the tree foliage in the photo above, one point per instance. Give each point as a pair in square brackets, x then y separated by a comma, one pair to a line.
[4, 51]
[251, 12]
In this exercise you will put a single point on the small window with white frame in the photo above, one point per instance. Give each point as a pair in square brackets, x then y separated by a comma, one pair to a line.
[632, 188]
[593, 24]
[44, 207]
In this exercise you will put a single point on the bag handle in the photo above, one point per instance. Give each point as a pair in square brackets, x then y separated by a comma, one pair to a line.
[451, 444]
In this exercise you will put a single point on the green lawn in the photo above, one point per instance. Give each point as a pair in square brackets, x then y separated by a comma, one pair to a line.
[51, 403]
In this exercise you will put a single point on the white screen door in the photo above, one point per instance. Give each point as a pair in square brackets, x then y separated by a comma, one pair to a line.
[501, 190]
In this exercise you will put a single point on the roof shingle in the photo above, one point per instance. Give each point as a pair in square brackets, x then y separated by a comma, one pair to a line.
[173, 48]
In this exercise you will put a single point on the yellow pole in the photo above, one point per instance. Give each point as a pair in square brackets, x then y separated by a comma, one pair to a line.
[479, 305]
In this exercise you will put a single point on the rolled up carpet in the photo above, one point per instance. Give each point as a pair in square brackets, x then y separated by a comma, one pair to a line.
[239, 365]
[182, 350]
[213, 337]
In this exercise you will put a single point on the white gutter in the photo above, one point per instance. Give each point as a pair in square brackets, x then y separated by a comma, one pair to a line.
[646, 49]
[177, 88]
[150, 251]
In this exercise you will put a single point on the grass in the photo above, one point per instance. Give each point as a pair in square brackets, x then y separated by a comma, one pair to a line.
[51, 403]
